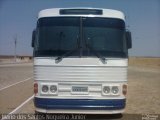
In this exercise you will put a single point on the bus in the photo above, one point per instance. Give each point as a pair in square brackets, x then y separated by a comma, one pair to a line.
[80, 61]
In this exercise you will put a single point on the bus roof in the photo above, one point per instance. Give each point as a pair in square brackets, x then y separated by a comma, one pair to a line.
[106, 13]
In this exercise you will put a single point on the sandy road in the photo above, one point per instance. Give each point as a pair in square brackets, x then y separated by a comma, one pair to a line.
[12, 73]
[143, 91]
[16, 85]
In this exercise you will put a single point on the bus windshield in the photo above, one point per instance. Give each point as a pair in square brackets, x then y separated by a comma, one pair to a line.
[59, 35]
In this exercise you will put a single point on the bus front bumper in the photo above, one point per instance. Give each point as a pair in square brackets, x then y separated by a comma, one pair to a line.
[86, 106]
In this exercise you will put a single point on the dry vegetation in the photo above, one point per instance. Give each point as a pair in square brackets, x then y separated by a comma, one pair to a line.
[145, 62]
[143, 85]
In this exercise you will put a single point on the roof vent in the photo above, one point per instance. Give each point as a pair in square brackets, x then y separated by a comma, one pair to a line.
[80, 12]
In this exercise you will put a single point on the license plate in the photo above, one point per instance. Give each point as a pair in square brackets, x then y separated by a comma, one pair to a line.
[79, 89]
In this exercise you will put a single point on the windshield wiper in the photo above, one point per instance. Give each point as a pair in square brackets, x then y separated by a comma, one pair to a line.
[59, 58]
[103, 59]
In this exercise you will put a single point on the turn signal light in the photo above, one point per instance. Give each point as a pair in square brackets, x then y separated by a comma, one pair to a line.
[124, 89]
[35, 88]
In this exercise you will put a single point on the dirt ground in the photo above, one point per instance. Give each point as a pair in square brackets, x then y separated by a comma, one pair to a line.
[12, 73]
[143, 86]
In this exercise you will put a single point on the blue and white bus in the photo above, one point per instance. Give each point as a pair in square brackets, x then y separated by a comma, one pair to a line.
[80, 61]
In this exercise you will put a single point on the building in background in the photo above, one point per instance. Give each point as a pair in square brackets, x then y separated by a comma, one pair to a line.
[11, 58]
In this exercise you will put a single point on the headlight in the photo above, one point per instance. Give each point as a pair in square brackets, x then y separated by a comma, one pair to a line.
[53, 88]
[45, 88]
[106, 89]
[115, 90]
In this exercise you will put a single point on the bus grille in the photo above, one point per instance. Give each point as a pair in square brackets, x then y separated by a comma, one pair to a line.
[84, 73]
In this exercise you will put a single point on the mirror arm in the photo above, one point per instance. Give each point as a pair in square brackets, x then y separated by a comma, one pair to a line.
[33, 37]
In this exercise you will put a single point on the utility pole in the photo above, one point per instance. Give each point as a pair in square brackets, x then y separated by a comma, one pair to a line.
[15, 48]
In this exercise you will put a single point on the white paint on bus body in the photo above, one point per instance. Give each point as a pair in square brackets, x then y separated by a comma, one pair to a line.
[106, 13]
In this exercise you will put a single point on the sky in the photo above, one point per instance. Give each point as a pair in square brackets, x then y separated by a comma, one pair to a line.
[18, 18]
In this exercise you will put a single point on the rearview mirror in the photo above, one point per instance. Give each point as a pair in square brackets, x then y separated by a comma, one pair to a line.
[33, 37]
[128, 39]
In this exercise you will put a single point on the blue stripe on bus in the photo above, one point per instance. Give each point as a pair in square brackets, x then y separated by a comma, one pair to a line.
[80, 104]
